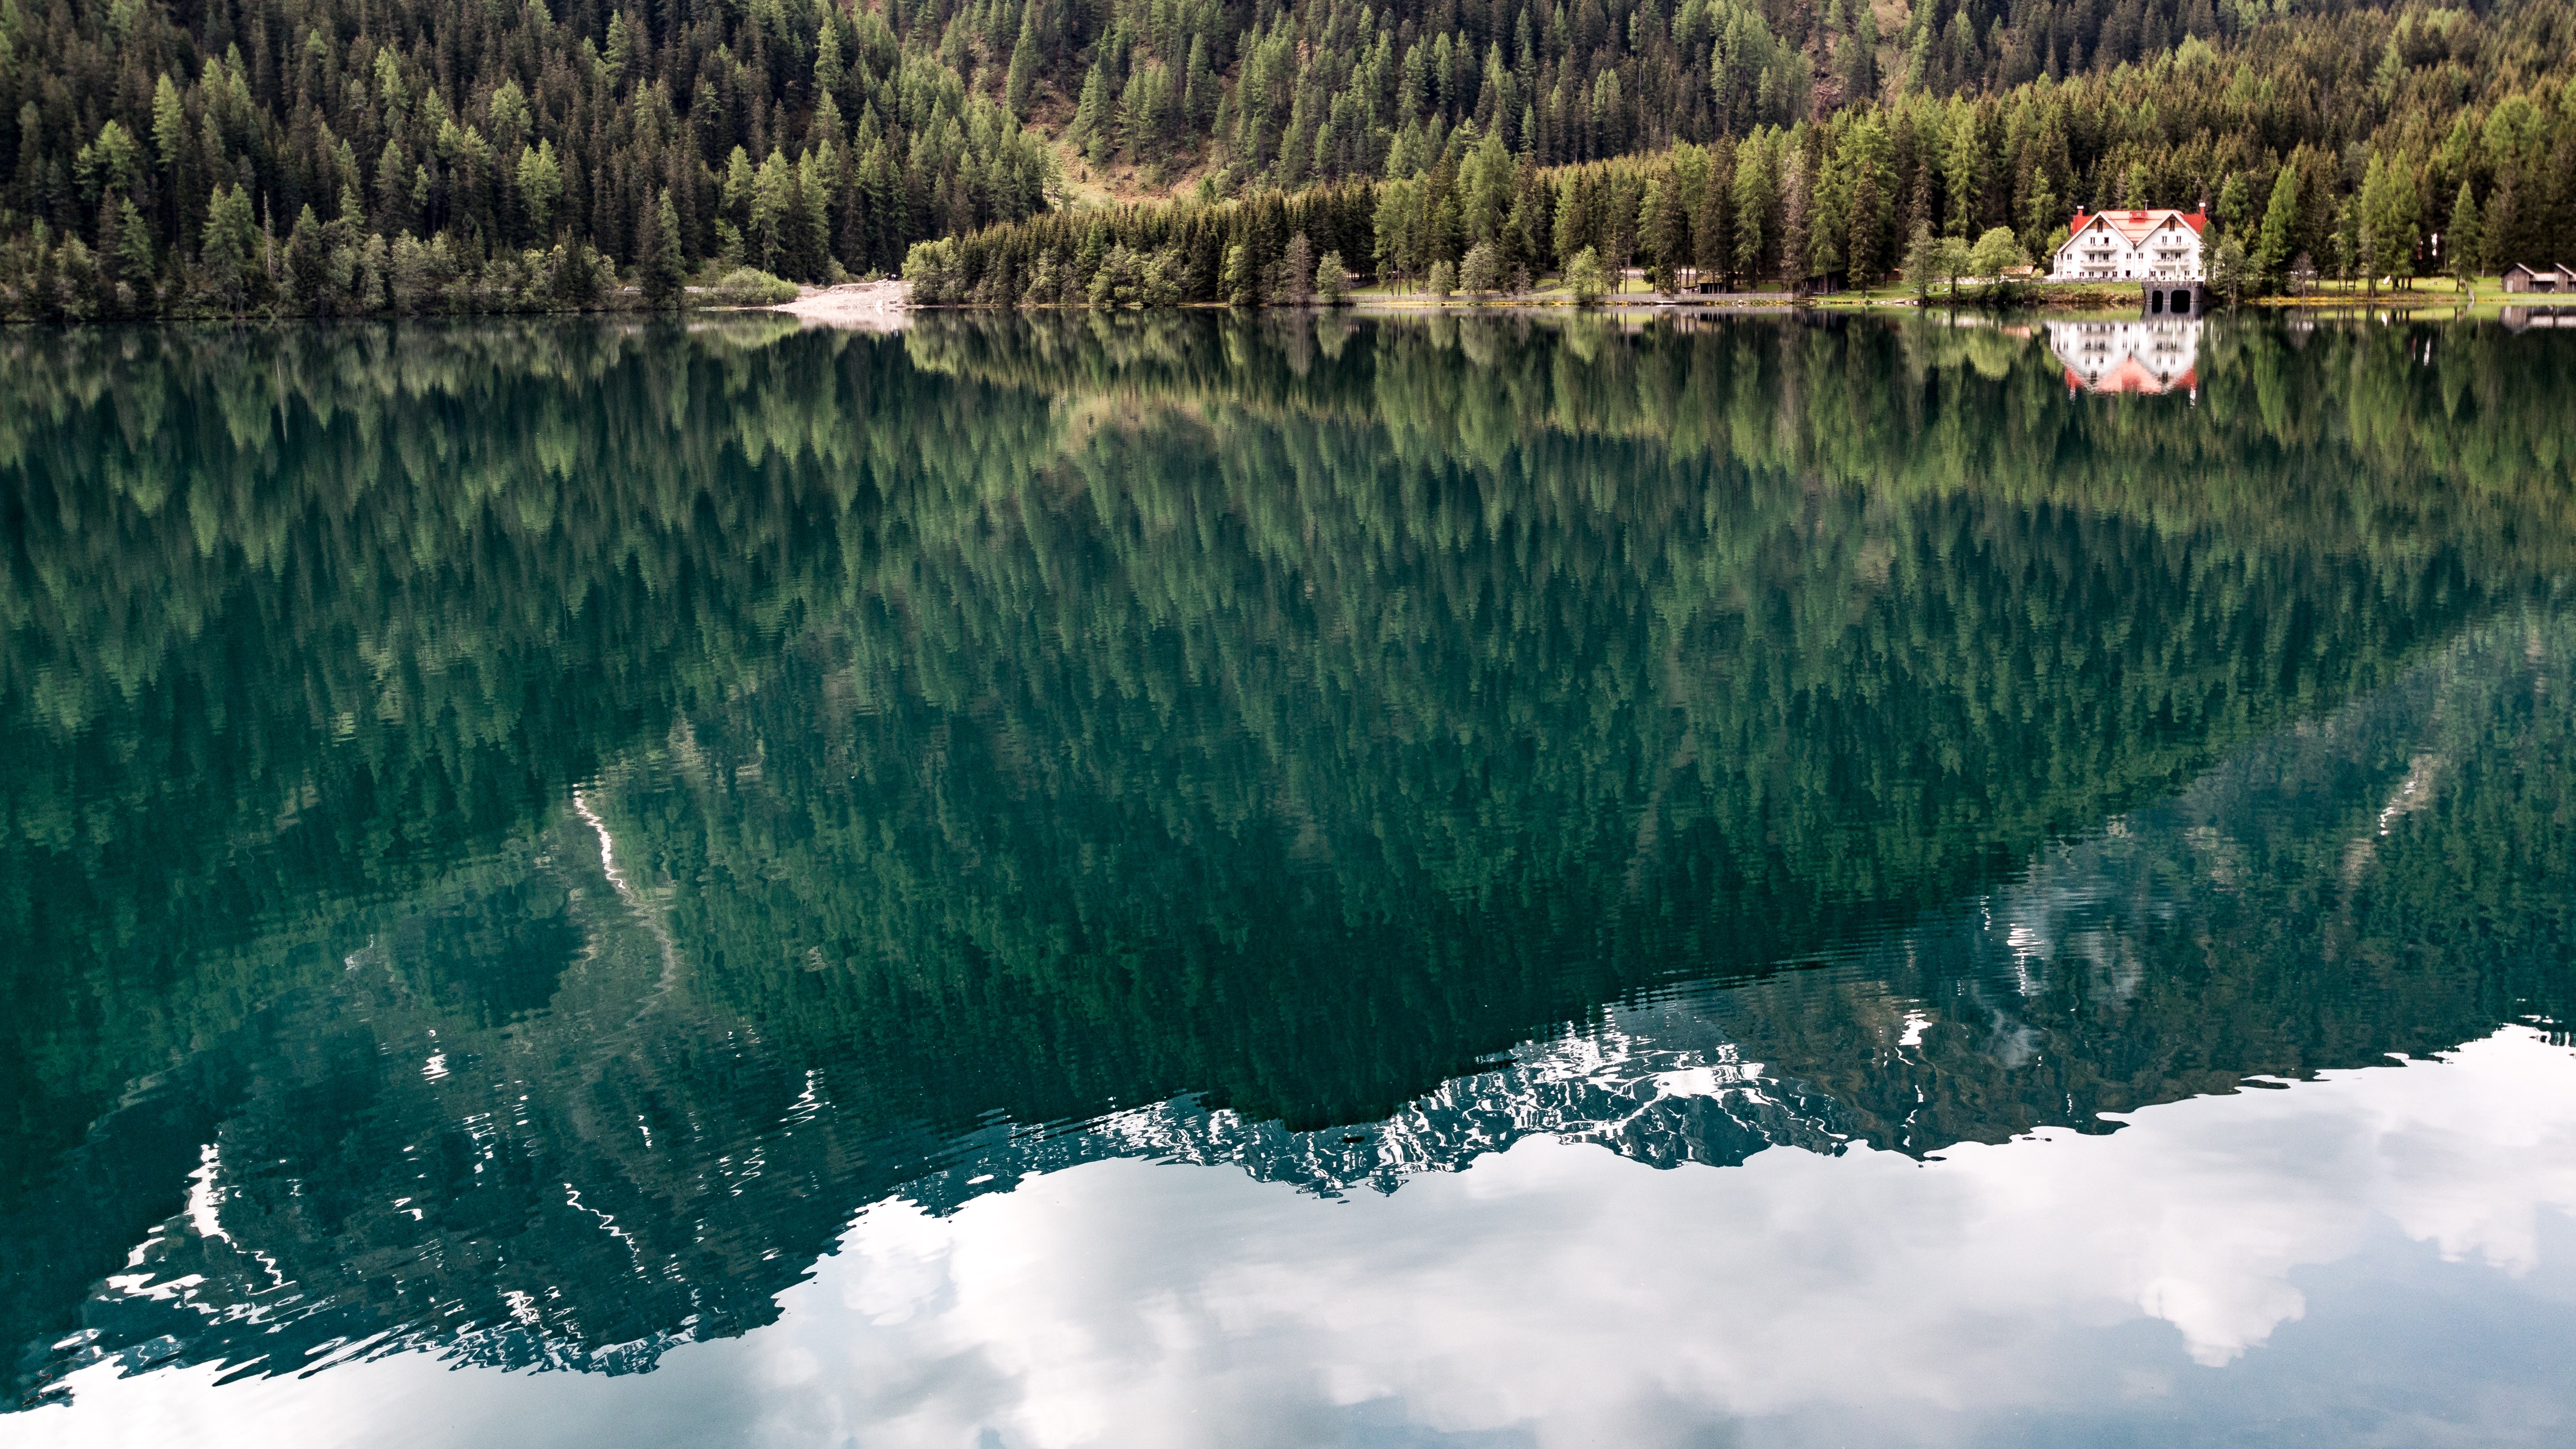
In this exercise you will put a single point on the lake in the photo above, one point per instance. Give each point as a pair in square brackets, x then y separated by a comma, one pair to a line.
[1176, 880]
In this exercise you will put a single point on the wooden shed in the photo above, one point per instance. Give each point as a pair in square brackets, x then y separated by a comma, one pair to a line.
[2522, 277]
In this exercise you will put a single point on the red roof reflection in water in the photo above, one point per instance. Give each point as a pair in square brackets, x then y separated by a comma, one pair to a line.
[2147, 358]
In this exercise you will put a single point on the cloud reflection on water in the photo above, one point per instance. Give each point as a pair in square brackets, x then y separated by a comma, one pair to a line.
[1560, 1294]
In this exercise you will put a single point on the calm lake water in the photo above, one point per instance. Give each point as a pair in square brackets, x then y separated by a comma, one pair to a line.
[1183, 881]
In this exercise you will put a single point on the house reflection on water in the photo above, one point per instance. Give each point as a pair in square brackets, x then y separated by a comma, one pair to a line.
[2149, 357]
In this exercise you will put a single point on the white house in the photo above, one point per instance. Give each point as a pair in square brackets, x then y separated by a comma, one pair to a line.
[2146, 356]
[2131, 246]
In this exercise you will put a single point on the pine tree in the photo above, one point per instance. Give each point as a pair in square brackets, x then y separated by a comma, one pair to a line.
[2388, 218]
[135, 263]
[659, 264]
[1024, 64]
[231, 234]
[2496, 228]
[1090, 125]
[308, 263]
[2045, 222]
[1332, 280]
[2279, 241]
[2462, 245]
[1585, 279]
[1796, 242]
[1922, 262]
[1860, 253]
[2235, 202]
[2231, 271]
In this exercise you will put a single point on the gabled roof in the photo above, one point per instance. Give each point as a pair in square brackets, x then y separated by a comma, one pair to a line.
[2142, 357]
[2561, 270]
[2129, 375]
[2137, 225]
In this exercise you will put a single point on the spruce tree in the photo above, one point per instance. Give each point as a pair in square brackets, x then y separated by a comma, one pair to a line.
[659, 268]
[2389, 217]
[1024, 64]
[2280, 237]
[2462, 245]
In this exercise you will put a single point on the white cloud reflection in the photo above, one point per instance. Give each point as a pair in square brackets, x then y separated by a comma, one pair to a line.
[1559, 1294]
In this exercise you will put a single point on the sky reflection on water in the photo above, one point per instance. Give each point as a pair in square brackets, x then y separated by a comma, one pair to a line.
[2383, 1249]
[1178, 880]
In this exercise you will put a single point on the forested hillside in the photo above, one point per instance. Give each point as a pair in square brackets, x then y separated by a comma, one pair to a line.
[360, 156]
[2359, 143]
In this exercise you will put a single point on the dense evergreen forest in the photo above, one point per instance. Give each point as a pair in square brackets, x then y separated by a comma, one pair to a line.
[1039, 718]
[366, 156]
[2343, 144]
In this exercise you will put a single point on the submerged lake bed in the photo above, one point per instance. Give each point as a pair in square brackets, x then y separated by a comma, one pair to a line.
[1177, 879]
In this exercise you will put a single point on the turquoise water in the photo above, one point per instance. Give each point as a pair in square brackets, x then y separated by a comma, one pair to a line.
[1178, 880]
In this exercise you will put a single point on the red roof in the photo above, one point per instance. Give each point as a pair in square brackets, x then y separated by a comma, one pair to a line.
[2137, 224]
